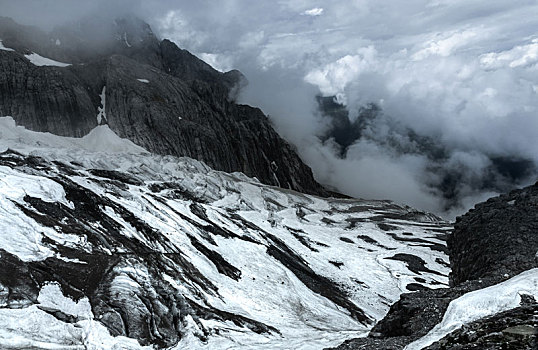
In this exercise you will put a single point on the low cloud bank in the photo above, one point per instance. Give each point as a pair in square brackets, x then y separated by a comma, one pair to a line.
[454, 85]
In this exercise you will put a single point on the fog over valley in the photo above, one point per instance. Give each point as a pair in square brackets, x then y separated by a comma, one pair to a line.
[432, 103]
[289, 174]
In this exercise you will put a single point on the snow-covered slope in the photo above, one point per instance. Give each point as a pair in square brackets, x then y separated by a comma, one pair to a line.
[100, 139]
[111, 245]
[37, 59]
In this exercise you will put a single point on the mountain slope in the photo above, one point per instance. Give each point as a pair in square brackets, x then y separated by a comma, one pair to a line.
[149, 91]
[133, 249]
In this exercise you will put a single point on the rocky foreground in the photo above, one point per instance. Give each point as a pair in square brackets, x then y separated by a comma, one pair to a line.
[492, 245]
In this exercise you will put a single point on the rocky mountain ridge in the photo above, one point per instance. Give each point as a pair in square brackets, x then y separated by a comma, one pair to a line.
[159, 96]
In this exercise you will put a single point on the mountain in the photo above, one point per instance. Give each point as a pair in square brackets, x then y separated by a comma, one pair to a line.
[151, 92]
[103, 244]
[141, 207]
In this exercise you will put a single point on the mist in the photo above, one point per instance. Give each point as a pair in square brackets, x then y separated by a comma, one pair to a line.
[455, 84]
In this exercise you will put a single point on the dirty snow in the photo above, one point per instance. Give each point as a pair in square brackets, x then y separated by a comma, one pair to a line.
[268, 291]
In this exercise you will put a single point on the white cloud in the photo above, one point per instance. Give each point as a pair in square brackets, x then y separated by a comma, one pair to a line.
[316, 11]
[334, 77]
[221, 63]
[445, 47]
[175, 25]
[516, 57]
[463, 72]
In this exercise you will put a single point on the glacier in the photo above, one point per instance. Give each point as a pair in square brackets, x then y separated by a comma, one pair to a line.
[113, 247]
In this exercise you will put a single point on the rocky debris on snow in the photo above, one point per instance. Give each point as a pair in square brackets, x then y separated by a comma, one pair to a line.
[118, 247]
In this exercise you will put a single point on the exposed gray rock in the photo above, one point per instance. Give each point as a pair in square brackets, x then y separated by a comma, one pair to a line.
[186, 108]
[409, 319]
[497, 239]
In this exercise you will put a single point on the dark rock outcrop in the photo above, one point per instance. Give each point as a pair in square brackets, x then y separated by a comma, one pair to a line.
[159, 96]
[496, 240]
[409, 319]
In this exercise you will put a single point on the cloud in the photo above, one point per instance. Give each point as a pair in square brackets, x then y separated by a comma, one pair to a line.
[518, 56]
[336, 76]
[316, 11]
[49, 13]
[460, 73]
[445, 47]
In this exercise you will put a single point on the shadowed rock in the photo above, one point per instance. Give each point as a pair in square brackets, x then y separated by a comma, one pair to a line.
[157, 95]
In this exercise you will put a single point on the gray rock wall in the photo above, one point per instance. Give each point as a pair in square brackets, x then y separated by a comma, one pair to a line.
[497, 239]
[186, 108]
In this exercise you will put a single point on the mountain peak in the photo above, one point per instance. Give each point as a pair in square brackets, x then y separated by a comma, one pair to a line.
[159, 96]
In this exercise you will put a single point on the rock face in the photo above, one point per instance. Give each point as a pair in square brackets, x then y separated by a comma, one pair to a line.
[409, 319]
[159, 96]
[496, 240]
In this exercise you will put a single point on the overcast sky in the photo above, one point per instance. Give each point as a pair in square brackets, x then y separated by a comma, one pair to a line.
[464, 72]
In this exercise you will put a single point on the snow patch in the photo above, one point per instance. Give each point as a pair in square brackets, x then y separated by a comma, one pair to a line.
[2, 47]
[143, 81]
[481, 303]
[32, 328]
[101, 116]
[51, 296]
[101, 139]
[39, 60]
[125, 40]
[16, 186]
[21, 235]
